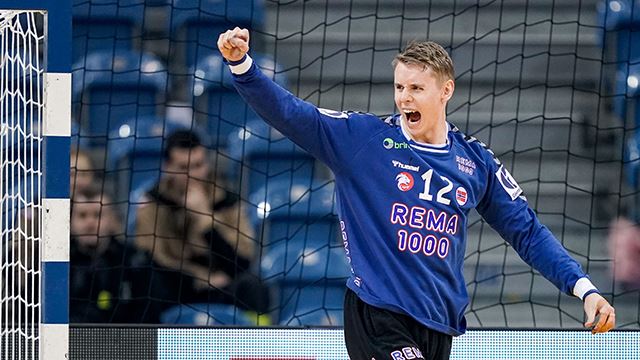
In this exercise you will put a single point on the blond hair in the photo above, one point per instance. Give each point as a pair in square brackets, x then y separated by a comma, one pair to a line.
[429, 55]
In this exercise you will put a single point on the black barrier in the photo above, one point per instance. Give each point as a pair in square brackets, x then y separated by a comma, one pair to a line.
[113, 343]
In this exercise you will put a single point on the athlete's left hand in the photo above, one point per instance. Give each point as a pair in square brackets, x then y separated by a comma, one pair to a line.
[596, 305]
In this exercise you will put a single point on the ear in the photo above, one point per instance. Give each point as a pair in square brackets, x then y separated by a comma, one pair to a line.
[447, 90]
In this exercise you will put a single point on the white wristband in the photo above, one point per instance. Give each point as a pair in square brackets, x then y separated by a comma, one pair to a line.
[243, 67]
[582, 286]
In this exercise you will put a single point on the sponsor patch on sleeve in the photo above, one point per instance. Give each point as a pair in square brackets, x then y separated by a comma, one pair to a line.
[508, 183]
[333, 113]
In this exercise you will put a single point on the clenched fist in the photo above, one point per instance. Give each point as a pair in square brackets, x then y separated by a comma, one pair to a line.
[234, 44]
[596, 305]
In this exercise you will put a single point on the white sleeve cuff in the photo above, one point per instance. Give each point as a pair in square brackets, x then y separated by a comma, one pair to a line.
[243, 67]
[582, 286]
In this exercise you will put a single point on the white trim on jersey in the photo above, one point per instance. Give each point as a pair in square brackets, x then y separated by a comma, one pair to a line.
[434, 148]
[582, 286]
[243, 67]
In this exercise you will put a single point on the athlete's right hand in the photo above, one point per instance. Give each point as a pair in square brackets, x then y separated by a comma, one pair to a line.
[234, 44]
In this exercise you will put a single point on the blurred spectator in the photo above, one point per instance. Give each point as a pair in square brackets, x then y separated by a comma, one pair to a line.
[82, 172]
[110, 223]
[198, 232]
[83, 177]
[624, 248]
[108, 280]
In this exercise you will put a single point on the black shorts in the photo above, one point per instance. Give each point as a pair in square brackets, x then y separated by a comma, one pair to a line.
[374, 333]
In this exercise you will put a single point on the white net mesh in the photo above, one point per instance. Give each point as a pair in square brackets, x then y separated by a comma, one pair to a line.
[21, 111]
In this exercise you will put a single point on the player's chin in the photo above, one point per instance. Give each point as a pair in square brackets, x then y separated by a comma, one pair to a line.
[415, 127]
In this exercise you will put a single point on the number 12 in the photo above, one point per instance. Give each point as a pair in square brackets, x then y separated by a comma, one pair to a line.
[424, 195]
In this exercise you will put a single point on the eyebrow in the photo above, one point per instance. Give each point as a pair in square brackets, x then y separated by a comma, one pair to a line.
[411, 84]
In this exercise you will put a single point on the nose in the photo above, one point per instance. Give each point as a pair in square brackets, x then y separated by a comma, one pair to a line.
[92, 228]
[405, 96]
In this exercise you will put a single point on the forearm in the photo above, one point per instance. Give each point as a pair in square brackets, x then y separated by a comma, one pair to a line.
[293, 117]
[198, 224]
[181, 265]
[541, 250]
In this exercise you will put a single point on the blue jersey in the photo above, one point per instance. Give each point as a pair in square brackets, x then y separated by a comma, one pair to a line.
[403, 205]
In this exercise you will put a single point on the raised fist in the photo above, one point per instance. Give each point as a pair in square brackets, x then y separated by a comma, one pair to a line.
[234, 44]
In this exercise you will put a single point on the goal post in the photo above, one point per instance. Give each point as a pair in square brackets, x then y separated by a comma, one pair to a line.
[35, 67]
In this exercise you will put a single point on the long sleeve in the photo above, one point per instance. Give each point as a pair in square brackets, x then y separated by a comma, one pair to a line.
[331, 136]
[503, 207]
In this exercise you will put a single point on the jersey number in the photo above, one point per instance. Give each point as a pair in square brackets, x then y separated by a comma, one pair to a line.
[425, 195]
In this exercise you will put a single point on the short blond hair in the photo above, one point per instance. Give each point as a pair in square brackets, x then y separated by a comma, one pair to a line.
[429, 55]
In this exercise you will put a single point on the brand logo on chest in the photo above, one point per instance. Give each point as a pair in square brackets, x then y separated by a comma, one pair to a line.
[405, 181]
[402, 166]
[389, 144]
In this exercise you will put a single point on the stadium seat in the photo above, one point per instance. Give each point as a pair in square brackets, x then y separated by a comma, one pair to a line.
[134, 154]
[304, 309]
[195, 24]
[620, 20]
[205, 314]
[216, 101]
[106, 25]
[302, 257]
[260, 155]
[134, 151]
[632, 146]
[310, 283]
[297, 212]
[627, 89]
[108, 89]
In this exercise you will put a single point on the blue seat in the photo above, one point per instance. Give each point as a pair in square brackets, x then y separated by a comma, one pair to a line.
[216, 101]
[299, 264]
[205, 314]
[195, 24]
[310, 283]
[134, 154]
[627, 88]
[286, 213]
[108, 89]
[260, 155]
[158, 2]
[314, 306]
[134, 151]
[632, 145]
[106, 25]
[620, 21]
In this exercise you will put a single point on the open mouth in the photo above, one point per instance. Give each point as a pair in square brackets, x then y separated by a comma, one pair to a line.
[412, 116]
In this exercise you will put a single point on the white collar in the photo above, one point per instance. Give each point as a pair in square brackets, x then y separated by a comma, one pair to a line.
[422, 145]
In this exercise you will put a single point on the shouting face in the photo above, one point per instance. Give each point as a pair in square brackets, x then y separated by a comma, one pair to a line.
[421, 98]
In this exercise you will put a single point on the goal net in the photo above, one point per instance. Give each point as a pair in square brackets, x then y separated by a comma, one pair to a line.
[21, 112]
[532, 82]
